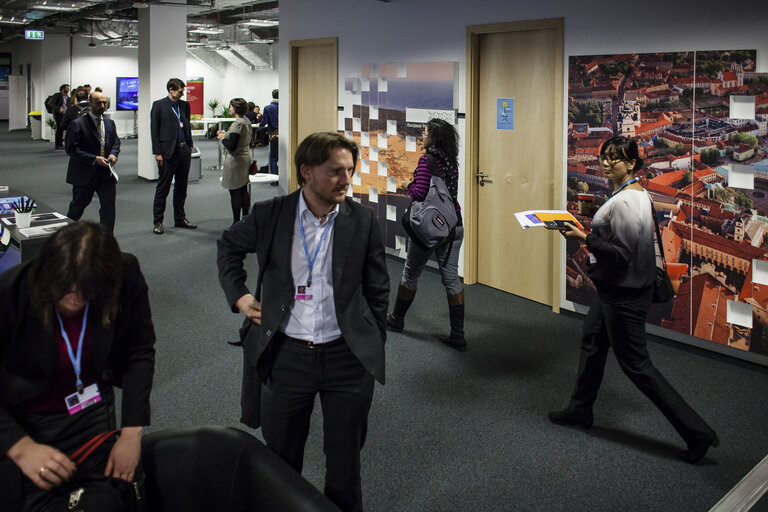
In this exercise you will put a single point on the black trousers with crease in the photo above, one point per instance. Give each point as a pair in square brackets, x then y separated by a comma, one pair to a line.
[174, 169]
[298, 374]
[622, 327]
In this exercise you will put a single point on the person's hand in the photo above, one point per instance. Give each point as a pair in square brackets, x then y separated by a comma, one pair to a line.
[46, 466]
[159, 159]
[112, 159]
[100, 160]
[125, 455]
[250, 307]
[221, 134]
[571, 231]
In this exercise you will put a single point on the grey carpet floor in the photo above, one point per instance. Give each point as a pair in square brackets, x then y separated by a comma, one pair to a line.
[449, 431]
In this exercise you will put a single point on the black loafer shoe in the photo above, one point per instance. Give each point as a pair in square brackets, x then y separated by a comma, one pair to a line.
[566, 417]
[696, 452]
[394, 324]
[184, 223]
[158, 229]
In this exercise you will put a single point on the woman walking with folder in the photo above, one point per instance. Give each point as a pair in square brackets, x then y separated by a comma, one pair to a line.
[441, 147]
[622, 265]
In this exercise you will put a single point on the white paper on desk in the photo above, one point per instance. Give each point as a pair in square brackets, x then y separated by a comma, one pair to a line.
[36, 217]
[42, 230]
[114, 173]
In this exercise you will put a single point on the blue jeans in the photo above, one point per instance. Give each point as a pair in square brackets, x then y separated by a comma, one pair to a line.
[417, 258]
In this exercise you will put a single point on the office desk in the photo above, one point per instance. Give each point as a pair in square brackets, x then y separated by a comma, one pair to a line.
[29, 247]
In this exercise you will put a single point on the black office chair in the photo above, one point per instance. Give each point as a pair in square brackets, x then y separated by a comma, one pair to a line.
[222, 469]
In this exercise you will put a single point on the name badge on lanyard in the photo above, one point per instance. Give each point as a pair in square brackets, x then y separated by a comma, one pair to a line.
[84, 396]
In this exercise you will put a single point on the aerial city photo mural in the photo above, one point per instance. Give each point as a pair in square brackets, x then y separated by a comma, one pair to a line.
[701, 122]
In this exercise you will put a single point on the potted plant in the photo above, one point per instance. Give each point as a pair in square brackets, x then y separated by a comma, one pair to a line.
[51, 122]
[213, 105]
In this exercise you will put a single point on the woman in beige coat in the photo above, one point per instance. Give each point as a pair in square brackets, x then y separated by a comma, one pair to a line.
[238, 161]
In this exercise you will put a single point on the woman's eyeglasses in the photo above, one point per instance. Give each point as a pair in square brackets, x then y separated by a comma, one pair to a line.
[609, 160]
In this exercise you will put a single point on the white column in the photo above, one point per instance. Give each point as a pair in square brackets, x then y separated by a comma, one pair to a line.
[162, 56]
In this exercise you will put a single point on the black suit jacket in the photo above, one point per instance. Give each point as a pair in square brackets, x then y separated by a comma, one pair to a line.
[123, 353]
[83, 147]
[164, 126]
[72, 113]
[360, 282]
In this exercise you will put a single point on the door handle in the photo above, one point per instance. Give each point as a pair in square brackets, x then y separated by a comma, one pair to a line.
[482, 179]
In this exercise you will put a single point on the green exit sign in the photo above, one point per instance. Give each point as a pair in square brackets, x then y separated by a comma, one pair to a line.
[34, 34]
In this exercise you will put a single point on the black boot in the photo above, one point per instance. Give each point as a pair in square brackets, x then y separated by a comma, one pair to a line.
[396, 319]
[456, 309]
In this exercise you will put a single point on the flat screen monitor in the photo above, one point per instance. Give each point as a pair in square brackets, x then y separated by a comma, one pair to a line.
[127, 93]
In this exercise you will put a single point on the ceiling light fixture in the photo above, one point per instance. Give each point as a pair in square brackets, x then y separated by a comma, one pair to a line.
[140, 4]
[206, 30]
[261, 23]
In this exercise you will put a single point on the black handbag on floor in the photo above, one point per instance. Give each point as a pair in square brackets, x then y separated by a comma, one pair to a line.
[662, 284]
[89, 493]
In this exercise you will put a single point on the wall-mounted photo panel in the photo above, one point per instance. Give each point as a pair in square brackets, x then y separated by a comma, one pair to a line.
[365, 166]
[356, 179]
[410, 143]
[365, 85]
[759, 272]
[373, 195]
[383, 85]
[348, 134]
[741, 176]
[391, 185]
[373, 155]
[382, 143]
[373, 112]
[383, 168]
[391, 212]
[739, 314]
[742, 107]
[391, 127]
[356, 126]
[364, 139]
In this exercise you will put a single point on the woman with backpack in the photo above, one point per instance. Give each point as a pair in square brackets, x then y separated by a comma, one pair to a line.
[441, 150]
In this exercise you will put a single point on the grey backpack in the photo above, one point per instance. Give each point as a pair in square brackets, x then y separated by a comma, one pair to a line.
[432, 222]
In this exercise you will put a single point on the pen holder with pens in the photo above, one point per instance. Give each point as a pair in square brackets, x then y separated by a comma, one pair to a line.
[22, 211]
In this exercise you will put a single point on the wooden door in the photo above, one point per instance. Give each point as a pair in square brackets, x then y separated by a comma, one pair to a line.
[523, 62]
[314, 91]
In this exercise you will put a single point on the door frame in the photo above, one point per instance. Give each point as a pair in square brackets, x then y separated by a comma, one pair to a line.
[474, 33]
[293, 92]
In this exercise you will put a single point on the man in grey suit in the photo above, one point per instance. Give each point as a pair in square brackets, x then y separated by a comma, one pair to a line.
[319, 326]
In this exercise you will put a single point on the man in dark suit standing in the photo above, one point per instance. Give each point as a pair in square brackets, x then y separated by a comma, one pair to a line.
[319, 326]
[92, 146]
[172, 147]
[270, 121]
[60, 104]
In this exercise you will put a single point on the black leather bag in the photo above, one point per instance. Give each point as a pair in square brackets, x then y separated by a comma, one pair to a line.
[663, 291]
[92, 492]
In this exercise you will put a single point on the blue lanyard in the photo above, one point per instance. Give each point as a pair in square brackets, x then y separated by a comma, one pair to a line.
[176, 111]
[75, 360]
[311, 261]
[633, 180]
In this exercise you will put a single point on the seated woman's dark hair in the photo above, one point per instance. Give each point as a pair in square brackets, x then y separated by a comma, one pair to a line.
[443, 136]
[622, 148]
[85, 257]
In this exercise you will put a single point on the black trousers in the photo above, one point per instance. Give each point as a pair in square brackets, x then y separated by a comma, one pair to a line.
[106, 188]
[622, 326]
[59, 137]
[273, 147]
[346, 390]
[174, 169]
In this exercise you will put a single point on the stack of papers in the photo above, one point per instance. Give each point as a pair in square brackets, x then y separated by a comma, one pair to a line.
[550, 219]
